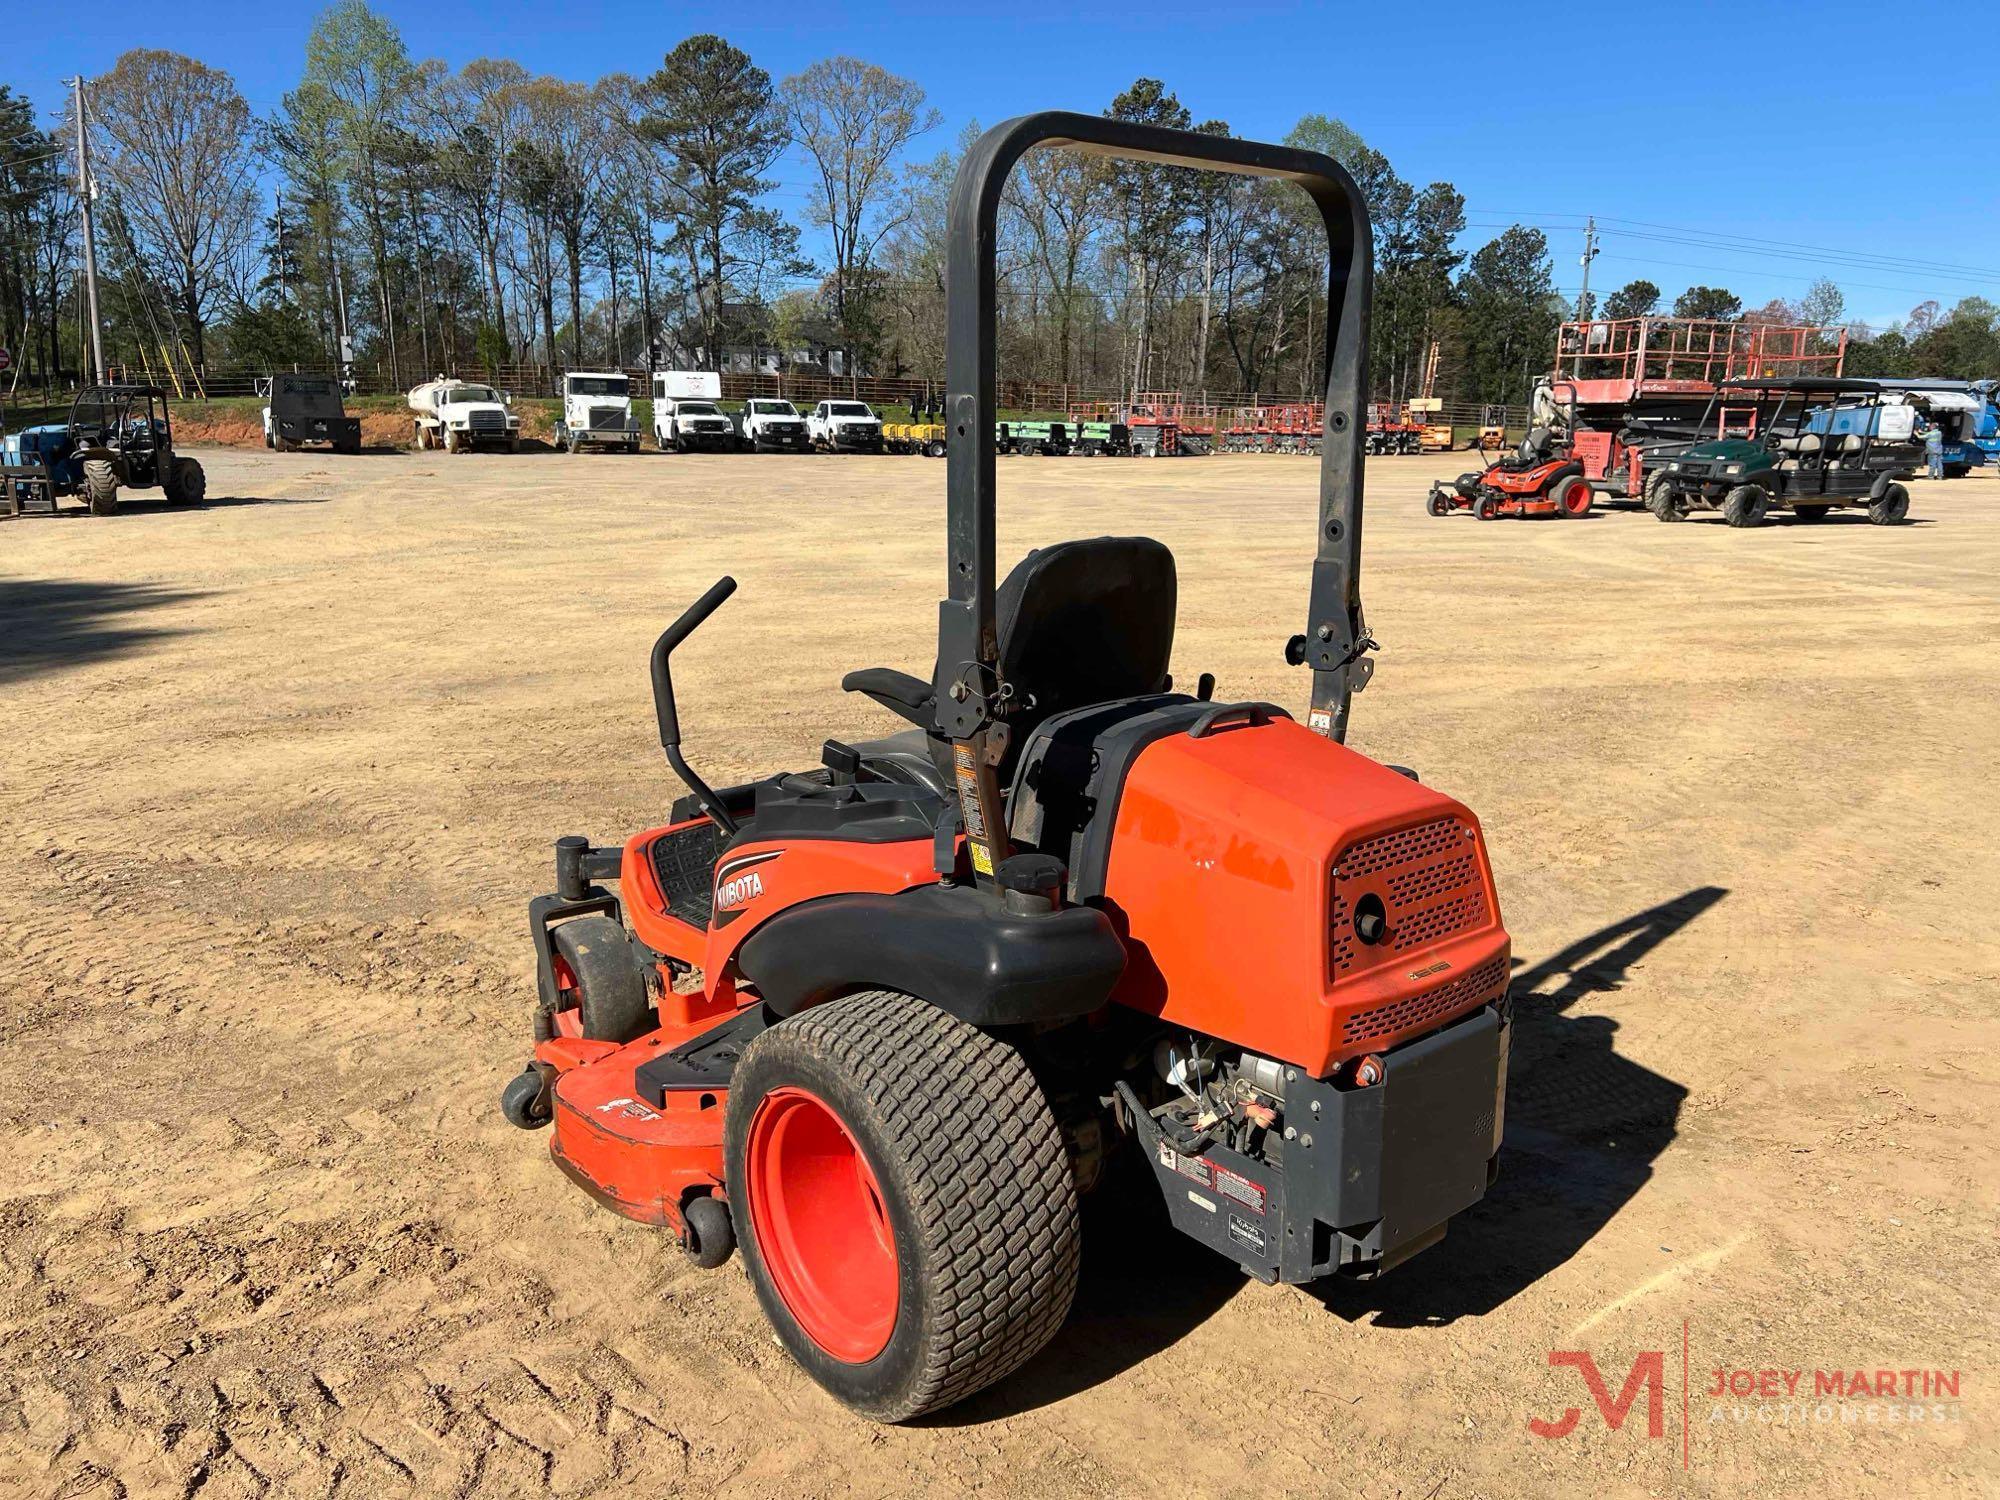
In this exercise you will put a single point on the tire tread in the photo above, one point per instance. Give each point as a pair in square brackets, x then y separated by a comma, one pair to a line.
[983, 1162]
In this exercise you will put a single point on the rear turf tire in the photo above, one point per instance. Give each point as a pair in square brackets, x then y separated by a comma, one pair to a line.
[610, 979]
[969, 1188]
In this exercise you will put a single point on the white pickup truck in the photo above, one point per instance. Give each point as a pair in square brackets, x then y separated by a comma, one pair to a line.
[845, 426]
[767, 426]
[597, 412]
[456, 415]
[685, 416]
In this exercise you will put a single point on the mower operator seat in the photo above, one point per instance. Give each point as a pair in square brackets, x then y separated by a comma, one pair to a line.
[1532, 450]
[1085, 622]
[1078, 623]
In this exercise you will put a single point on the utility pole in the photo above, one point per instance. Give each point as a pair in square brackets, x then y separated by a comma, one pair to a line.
[85, 191]
[1584, 310]
[284, 253]
[344, 351]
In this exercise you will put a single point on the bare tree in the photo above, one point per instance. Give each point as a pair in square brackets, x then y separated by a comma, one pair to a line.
[534, 174]
[853, 119]
[177, 145]
[471, 119]
[1060, 198]
[1155, 205]
[301, 140]
[357, 66]
[569, 123]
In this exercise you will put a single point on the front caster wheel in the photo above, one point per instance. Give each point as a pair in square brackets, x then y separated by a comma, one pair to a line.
[525, 1100]
[709, 1236]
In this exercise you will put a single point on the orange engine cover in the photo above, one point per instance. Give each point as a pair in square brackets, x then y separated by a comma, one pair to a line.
[1245, 867]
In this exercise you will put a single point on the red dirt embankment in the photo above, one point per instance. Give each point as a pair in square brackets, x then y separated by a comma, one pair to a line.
[241, 425]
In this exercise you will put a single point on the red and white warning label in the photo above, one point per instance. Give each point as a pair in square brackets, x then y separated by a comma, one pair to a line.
[1242, 1189]
[1191, 1167]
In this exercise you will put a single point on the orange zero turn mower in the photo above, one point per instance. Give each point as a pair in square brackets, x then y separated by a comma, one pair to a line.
[882, 1022]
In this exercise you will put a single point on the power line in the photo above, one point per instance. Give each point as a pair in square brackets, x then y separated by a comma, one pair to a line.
[1682, 265]
[1721, 239]
[1737, 270]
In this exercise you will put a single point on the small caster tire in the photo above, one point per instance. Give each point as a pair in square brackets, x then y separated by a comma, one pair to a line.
[710, 1236]
[525, 1100]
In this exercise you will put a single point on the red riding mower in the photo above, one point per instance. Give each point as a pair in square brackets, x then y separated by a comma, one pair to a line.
[882, 1021]
[1537, 479]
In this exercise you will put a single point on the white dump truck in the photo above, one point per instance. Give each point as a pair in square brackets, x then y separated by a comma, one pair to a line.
[457, 415]
[685, 416]
[846, 426]
[597, 412]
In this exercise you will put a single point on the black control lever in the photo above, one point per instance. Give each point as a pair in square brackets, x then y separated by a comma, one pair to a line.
[663, 698]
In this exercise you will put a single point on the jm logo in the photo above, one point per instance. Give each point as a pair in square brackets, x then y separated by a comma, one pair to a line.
[1648, 1373]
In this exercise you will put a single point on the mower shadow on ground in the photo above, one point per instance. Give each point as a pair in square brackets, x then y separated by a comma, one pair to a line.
[1145, 1286]
[51, 625]
[1584, 1127]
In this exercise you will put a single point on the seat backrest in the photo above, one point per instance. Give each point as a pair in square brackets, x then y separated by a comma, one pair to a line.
[1085, 622]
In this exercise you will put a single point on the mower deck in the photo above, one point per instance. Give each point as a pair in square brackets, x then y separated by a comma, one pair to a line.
[639, 1127]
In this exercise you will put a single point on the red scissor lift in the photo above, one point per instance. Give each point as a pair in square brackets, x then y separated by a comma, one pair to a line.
[1393, 429]
[1639, 383]
[1163, 424]
[1275, 429]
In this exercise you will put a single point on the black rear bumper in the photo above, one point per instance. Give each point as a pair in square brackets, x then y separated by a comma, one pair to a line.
[337, 432]
[1365, 1177]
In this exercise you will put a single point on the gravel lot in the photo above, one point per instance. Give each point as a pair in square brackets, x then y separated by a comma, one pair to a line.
[281, 772]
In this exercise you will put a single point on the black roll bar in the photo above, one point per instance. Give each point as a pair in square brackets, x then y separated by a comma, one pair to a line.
[967, 688]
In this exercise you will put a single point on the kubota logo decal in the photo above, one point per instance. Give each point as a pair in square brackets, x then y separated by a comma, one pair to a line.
[737, 881]
[735, 892]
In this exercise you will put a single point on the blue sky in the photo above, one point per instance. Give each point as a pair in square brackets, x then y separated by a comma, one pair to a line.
[1736, 144]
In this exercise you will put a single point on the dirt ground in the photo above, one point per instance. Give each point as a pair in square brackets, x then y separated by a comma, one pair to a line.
[281, 773]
